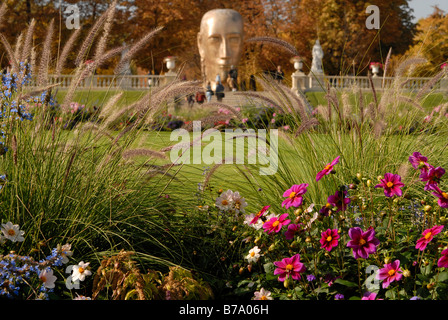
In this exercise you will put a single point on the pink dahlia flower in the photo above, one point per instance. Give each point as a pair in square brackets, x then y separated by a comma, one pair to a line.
[293, 229]
[369, 296]
[289, 267]
[294, 195]
[275, 224]
[259, 214]
[432, 176]
[339, 200]
[418, 161]
[391, 183]
[328, 168]
[362, 243]
[329, 239]
[443, 261]
[390, 273]
[428, 235]
[443, 196]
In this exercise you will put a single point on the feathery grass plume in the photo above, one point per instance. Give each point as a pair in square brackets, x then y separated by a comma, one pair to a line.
[99, 133]
[143, 152]
[303, 107]
[18, 47]
[372, 87]
[428, 85]
[14, 149]
[442, 112]
[116, 115]
[323, 111]
[83, 72]
[345, 105]
[28, 44]
[37, 91]
[411, 101]
[101, 46]
[386, 65]
[46, 56]
[66, 51]
[135, 48]
[10, 52]
[272, 87]
[3, 10]
[403, 170]
[276, 42]
[87, 43]
[108, 107]
[33, 59]
[306, 125]
[333, 100]
[261, 97]
[407, 63]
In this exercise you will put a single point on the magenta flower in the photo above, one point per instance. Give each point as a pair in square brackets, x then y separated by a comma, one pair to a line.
[259, 214]
[329, 239]
[428, 235]
[418, 161]
[391, 184]
[292, 230]
[289, 267]
[294, 195]
[369, 296]
[432, 176]
[362, 243]
[339, 200]
[275, 224]
[328, 168]
[326, 210]
[443, 196]
[390, 273]
[443, 261]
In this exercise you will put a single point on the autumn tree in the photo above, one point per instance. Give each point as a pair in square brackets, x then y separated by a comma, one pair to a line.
[430, 42]
[340, 27]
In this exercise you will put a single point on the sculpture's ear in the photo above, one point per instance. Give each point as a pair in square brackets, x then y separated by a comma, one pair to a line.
[200, 46]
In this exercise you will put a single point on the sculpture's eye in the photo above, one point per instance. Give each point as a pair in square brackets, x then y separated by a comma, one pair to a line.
[234, 40]
[214, 39]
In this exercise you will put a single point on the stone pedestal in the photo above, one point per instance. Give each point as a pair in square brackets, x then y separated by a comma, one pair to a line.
[300, 81]
[317, 81]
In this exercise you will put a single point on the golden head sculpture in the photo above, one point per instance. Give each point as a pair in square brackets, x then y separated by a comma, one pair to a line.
[220, 43]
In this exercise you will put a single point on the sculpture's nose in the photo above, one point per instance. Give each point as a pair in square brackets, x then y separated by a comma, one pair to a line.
[224, 52]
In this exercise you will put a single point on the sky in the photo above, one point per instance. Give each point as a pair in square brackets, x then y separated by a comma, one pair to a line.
[423, 8]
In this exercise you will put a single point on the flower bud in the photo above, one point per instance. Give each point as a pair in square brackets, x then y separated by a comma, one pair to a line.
[298, 211]
[387, 260]
[427, 208]
[241, 270]
[430, 286]
[359, 176]
[406, 273]
[352, 186]
[257, 239]
[379, 178]
[307, 239]
[369, 183]
[286, 283]
[272, 247]
[249, 268]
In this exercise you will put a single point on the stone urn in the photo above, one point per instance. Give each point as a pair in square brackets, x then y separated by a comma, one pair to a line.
[375, 66]
[170, 63]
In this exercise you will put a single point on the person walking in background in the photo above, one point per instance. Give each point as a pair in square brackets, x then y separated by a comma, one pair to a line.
[233, 73]
[252, 84]
[231, 83]
[208, 92]
[279, 74]
[200, 97]
[219, 91]
[190, 100]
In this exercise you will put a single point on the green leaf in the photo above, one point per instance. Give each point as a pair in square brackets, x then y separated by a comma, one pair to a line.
[345, 283]
[443, 276]
[269, 268]
[390, 294]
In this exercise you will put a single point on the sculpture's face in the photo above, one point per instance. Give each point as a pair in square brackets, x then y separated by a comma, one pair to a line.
[220, 43]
